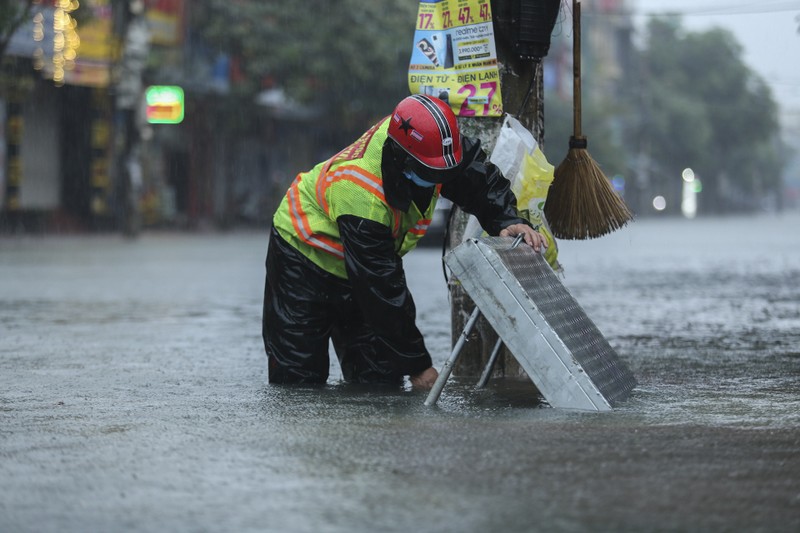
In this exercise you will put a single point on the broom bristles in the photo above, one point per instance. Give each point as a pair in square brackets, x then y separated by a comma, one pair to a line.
[581, 203]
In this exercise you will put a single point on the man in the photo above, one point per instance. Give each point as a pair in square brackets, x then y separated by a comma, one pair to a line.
[334, 268]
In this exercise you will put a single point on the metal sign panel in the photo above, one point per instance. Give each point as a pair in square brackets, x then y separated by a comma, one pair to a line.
[543, 326]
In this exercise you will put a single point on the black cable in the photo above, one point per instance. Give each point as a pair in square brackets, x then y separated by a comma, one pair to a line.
[530, 89]
[444, 241]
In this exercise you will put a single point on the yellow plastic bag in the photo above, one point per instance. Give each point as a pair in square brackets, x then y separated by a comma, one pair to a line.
[523, 163]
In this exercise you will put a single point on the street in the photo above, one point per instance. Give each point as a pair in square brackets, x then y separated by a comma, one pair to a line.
[134, 396]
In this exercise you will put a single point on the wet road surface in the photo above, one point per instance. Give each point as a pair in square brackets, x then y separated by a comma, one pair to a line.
[133, 397]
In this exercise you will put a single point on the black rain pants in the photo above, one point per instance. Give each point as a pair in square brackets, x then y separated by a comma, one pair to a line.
[304, 308]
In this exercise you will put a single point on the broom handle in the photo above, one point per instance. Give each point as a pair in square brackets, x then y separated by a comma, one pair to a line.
[576, 68]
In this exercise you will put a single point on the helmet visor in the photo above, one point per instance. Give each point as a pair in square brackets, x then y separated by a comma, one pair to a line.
[434, 175]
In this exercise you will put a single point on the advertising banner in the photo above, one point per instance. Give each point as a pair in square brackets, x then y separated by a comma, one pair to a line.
[454, 57]
[165, 19]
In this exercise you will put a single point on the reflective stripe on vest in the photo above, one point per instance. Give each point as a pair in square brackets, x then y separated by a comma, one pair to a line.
[421, 227]
[363, 179]
[303, 228]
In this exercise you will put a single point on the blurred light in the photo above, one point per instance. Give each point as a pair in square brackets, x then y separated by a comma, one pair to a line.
[689, 200]
[659, 203]
[38, 27]
[687, 175]
[65, 39]
[618, 182]
[38, 59]
[698, 185]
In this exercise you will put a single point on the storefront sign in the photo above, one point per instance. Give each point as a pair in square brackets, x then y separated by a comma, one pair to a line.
[164, 104]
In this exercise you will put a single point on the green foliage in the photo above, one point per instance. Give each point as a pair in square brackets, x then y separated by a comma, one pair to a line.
[347, 57]
[600, 124]
[13, 13]
[705, 109]
[690, 101]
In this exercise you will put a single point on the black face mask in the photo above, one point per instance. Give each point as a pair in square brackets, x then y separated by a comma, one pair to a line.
[396, 187]
[401, 191]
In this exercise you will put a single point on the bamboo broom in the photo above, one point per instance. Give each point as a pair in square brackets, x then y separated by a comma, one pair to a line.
[581, 203]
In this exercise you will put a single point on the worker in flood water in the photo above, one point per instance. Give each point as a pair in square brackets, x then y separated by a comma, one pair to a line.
[334, 267]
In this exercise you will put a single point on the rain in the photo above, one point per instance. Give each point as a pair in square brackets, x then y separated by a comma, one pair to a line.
[134, 391]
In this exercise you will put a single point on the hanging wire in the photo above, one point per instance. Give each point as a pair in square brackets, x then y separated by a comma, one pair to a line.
[530, 89]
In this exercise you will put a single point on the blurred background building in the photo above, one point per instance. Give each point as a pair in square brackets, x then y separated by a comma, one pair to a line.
[258, 91]
[78, 144]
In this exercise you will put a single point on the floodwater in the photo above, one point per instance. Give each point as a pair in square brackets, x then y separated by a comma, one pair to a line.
[133, 397]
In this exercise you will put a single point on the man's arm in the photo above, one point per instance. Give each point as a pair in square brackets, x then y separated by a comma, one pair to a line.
[483, 191]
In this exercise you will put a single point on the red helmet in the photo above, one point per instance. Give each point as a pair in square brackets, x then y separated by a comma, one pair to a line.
[426, 128]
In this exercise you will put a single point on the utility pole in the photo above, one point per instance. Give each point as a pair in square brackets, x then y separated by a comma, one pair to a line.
[130, 28]
[521, 79]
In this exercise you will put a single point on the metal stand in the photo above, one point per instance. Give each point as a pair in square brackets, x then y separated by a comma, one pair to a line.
[447, 369]
[490, 364]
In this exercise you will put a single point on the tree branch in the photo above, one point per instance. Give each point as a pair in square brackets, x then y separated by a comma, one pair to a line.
[13, 24]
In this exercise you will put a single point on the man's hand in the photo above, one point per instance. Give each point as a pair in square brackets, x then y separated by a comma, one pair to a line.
[531, 236]
[425, 379]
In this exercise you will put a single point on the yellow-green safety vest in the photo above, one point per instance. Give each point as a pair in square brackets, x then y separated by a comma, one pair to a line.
[349, 183]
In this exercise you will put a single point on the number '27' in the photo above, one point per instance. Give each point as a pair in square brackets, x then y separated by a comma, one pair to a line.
[471, 90]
